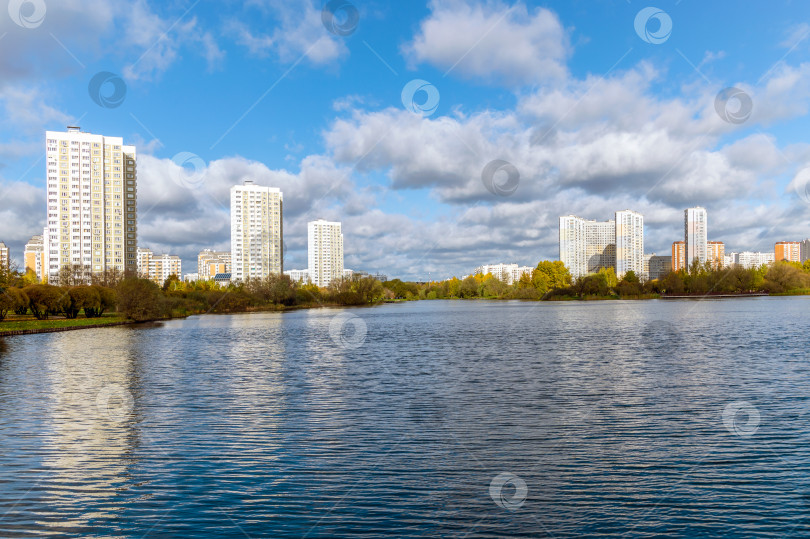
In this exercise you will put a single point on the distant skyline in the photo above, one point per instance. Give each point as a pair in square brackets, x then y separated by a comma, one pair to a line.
[523, 112]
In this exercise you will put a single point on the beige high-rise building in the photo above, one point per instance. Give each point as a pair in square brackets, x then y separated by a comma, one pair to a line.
[325, 251]
[210, 263]
[92, 203]
[5, 258]
[788, 250]
[716, 254]
[256, 232]
[158, 268]
[34, 255]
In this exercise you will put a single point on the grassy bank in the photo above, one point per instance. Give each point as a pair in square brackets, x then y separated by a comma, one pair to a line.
[27, 323]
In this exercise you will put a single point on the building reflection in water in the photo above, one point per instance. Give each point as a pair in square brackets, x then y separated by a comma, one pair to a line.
[91, 425]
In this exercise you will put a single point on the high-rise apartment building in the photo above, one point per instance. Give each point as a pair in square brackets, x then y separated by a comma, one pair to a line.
[325, 251]
[211, 263]
[34, 256]
[716, 252]
[256, 231]
[788, 250]
[92, 203]
[629, 243]
[158, 268]
[804, 250]
[696, 235]
[678, 255]
[5, 257]
[586, 246]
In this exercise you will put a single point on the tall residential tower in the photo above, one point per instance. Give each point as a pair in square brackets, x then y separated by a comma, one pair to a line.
[92, 203]
[629, 243]
[696, 236]
[325, 251]
[256, 232]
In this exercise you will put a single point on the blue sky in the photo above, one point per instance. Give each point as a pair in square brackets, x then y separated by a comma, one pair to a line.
[593, 117]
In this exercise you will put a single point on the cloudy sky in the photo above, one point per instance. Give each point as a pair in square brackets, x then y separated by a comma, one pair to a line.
[443, 135]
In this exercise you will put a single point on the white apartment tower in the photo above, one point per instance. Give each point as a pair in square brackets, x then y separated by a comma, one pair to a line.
[34, 256]
[325, 251]
[696, 236]
[629, 243]
[92, 203]
[256, 231]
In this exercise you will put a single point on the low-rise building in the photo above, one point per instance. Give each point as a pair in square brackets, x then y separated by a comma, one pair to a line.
[299, 275]
[210, 262]
[34, 255]
[750, 259]
[158, 268]
[508, 273]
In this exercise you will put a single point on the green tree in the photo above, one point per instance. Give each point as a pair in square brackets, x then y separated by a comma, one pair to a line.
[12, 299]
[468, 288]
[44, 299]
[141, 299]
[557, 275]
[783, 276]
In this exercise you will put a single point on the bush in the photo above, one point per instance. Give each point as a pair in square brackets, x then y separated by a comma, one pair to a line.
[12, 299]
[141, 300]
[44, 300]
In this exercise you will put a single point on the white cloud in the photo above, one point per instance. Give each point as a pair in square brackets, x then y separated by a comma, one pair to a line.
[493, 41]
[299, 32]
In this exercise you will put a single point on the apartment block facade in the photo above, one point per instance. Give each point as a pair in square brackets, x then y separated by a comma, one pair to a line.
[5, 257]
[508, 273]
[158, 268]
[34, 256]
[586, 246]
[790, 251]
[696, 236]
[210, 263]
[325, 251]
[678, 255]
[92, 203]
[256, 231]
[716, 254]
[629, 243]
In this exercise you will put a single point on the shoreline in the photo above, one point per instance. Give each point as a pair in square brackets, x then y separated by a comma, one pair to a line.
[282, 309]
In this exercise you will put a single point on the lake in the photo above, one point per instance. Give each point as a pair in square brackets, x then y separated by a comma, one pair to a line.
[432, 418]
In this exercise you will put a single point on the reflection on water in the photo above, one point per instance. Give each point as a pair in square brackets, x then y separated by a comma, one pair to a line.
[426, 419]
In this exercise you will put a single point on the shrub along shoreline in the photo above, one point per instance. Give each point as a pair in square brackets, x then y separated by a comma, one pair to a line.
[116, 299]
